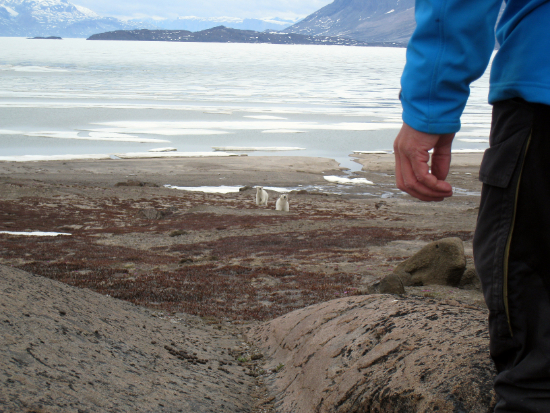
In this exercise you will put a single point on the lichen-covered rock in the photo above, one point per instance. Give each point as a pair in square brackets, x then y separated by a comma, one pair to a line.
[66, 349]
[390, 284]
[440, 262]
[378, 353]
[470, 280]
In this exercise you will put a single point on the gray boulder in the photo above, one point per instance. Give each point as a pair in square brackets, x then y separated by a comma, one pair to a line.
[440, 262]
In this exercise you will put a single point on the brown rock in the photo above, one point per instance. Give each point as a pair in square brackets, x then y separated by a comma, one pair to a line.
[390, 284]
[470, 280]
[378, 354]
[440, 262]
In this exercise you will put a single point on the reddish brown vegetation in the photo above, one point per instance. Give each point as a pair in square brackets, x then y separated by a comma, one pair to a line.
[254, 276]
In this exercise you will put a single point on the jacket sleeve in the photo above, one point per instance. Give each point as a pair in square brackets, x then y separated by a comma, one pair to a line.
[450, 48]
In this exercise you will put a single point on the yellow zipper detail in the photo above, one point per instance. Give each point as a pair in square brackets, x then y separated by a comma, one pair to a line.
[509, 242]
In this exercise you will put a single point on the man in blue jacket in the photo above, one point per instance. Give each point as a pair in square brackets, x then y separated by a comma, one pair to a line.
[450, 48]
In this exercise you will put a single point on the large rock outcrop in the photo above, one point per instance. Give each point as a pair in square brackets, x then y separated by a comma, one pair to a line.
[378, 353]
[64, 349]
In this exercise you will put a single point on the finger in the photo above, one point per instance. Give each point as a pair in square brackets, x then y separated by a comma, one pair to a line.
[441, 157]
[414, 187]
[400, 180]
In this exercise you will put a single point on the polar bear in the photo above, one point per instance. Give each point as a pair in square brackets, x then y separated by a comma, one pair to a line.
[282, 203]
[261, 196]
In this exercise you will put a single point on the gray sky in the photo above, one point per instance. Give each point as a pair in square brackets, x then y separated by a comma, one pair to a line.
[290, 9]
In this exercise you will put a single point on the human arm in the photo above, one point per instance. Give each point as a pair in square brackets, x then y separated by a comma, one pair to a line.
[449, 49]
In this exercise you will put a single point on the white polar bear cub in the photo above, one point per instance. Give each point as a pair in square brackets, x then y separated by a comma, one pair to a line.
[282, 203]
[261, 196]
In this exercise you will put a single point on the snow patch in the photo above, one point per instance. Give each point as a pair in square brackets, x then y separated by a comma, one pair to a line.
[256, 148]
[348, 181]
[207, 189]
[163, 150]
[35, 233]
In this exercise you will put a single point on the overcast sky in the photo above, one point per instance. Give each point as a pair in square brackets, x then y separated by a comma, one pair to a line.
[288, 9]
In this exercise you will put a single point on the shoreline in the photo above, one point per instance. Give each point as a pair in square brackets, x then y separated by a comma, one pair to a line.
[293, 172]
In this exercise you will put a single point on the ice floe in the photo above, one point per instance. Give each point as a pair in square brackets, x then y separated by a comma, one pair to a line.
[474, 140]
[223, 189]
[372, 152]
[9, 132]
[162, 150]
[264, 117]
[129, 155]
[95, 136]
[256, 148]
[467, 150]
[348, 181]
[134, 155]
[282, 131]
[36, 69]
[35, 233]
[195, 127]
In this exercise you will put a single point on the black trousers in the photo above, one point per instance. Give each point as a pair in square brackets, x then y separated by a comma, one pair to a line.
[511, 245]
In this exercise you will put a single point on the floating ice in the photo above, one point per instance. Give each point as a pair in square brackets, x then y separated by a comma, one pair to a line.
[181, 128]
[134, 155]
[373, 152]
[256, 148]
[35, 158]
[474, 140]
[468, 150]
[9, 132]
[152, 129]
[476, 133]
[282, 131]
[264, 117]
[348, 181]
[35, 233]
[16, 68]
[95, 136]
[163, 150]
[129, 155]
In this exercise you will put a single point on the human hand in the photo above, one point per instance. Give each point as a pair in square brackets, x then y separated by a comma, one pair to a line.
[412, 172]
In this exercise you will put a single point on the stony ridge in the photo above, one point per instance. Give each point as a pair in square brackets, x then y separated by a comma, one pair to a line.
[222, 34]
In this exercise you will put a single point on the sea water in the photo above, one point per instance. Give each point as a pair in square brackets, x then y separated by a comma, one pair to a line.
[79, 97]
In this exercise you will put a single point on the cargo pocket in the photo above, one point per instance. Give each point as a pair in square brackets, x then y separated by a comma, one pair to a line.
[500, 172]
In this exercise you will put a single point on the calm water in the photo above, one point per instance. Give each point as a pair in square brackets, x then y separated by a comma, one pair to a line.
[99, 97]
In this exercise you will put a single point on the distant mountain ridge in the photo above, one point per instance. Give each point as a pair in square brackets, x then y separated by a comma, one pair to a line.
[30, 18]
[194, 24]
[33, 18]
[390, 21]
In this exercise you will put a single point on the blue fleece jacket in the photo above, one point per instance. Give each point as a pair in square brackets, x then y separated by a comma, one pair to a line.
[451, 47]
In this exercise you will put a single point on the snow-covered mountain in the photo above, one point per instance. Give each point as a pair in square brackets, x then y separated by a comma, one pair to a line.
[193, 23]
[30, 18]
[367, 20]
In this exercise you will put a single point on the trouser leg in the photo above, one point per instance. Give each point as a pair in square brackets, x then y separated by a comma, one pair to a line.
[511, 244]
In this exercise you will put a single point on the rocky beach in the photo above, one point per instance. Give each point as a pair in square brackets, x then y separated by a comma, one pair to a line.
[154, 299]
